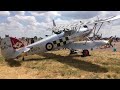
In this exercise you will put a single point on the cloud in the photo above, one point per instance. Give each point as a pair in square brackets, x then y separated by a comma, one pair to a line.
[20, 12]
[37, 22]
[47, 15]
[4, 13]
[79, 14]
[37, 13]
[110, 30]
[23, 19]
[14, 29]
[88, 15]
[109, 13]
[19, 26]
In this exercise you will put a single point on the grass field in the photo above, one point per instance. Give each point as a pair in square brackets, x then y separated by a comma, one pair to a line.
[102, 64]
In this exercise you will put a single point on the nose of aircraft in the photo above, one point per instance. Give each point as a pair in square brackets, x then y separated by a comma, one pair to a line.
[101, 42]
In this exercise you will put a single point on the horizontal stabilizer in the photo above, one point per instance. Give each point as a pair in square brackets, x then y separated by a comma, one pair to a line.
[19, 52]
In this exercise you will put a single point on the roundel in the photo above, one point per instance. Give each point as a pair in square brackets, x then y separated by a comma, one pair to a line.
[49, 46]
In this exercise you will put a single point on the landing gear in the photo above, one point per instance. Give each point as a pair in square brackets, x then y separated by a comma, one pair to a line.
[85, 53]
[72, 51]
[23, 55]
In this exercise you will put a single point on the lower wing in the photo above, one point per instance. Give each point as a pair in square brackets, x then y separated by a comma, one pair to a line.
[86, 45]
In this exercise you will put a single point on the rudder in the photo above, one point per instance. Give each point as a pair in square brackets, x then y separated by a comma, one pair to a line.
[9, 46]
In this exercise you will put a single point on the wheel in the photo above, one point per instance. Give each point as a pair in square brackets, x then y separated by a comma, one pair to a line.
[85, 53]
[72, 51]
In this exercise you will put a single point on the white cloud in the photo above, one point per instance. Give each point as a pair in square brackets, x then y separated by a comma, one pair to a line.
[23, 19]
[79, 14]
[14, 29]
[37, 13]
[110, 30]
[4, 13]
[47, 15]
[20, 12]
[51, 15]
[20, 25]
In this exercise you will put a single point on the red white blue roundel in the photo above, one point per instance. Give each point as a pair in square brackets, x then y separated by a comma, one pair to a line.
[49, 46]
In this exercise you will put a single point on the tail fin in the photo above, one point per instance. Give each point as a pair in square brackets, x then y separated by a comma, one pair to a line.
[9, 46]
[54, 23]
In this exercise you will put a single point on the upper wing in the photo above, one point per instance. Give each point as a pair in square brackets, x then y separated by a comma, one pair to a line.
[104, 20]
[114, 18]
[86, 45]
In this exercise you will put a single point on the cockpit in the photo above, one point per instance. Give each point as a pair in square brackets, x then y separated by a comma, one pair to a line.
[57, 32]
[70, 31]
[85, 26]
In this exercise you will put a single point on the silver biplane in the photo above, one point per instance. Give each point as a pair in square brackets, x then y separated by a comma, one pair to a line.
[70, 37]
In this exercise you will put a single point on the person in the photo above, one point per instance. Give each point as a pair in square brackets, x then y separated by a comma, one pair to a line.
[110, 41]
[32, 40]
[6, 35]
[116, 39]
[35, 38]
[27, 41]
[0, 40]
[114, 48]
[91, 49]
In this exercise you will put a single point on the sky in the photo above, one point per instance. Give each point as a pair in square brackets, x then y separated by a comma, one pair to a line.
[36, 23]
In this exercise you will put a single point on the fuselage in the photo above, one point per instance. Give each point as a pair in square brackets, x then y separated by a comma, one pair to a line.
[57, 40]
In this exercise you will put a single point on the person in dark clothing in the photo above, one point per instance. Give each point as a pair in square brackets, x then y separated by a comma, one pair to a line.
[32, 40]
[116, 39]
